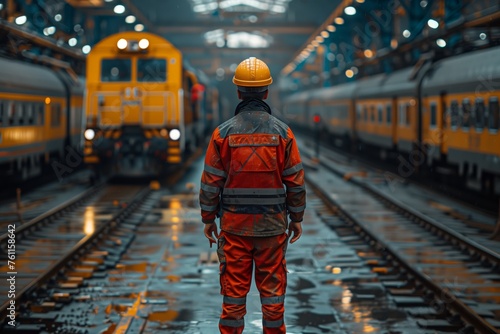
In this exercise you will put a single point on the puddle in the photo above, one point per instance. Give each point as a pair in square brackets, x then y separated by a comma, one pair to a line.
[163, 316]
[302, 284]
[137, 267]
[117, 308]
[311, 319]
[385, 314]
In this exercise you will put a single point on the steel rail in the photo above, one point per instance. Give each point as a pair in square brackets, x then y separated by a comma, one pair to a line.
[77, 250]
[456, 238]
[467, 314]
[34, 223]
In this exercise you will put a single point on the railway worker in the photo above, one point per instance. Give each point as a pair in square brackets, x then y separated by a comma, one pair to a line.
[252, 179]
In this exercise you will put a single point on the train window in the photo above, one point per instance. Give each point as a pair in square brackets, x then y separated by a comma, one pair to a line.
[2, 112]
[40, 113]
[494, 113]
[12, 113]
[55, 115]
[29, 114]
[454, 114]
[345, 112]
[402, 114]
[358, 112]
[152, 70]
[408, 113]
[372, 114]
[444, 113]
[20, 113]
[380, 112]
[479, 113]
[365, 113]
[466, 114]
[433, 114]
[388, 115]
[116, 70]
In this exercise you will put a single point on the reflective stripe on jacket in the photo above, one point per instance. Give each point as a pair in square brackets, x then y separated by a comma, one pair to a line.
[253, 174]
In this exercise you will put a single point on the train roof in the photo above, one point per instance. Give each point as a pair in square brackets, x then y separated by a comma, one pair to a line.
[458, 73]
[339, 92]
[76, 84]
[298, 97]
[109, 43]
[387, 85]
[21, 77]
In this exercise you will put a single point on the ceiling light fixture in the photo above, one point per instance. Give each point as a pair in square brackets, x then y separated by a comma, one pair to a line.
[86, 49]
[20, 20]
[441, 43]
[350, 10]
[433, 23]
[119, 9]
[130, 19]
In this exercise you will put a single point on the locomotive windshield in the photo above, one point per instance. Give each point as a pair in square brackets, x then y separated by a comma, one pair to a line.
[116, 70]
[152, 70]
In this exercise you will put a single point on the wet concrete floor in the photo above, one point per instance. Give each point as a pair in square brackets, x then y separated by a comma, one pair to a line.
[167, 281]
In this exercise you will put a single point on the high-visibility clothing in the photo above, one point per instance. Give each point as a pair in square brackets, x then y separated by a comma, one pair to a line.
[253, 175]
[253, 178]
[237, 255]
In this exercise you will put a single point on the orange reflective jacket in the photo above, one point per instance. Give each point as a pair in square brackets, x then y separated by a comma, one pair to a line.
[253, 174]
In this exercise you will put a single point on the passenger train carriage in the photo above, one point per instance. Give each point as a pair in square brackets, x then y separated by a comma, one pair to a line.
[145, 110]
[444, 115]
[40, 120]
[461, 122]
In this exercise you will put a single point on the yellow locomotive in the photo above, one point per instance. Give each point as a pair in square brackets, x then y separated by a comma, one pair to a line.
[443, 117]
[145, 110]
[40, 121]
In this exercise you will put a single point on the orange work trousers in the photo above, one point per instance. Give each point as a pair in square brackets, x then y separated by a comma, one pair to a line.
[237, 255]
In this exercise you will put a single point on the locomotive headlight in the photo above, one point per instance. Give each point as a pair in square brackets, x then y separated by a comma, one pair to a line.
[89, 134]
[122, 44]
[174, 134]
[143, 43]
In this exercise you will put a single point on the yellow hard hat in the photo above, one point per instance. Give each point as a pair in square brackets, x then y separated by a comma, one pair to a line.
[252, 72]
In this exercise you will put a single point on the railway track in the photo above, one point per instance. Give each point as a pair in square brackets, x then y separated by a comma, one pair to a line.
[451, 271]
[58, 245]
[32, 199]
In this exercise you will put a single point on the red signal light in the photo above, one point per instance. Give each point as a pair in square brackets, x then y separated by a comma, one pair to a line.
[316, 118]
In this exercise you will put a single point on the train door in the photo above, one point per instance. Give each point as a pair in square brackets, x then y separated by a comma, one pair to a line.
[431, 127]
[355, 116]
[392, 111]
[442, 121]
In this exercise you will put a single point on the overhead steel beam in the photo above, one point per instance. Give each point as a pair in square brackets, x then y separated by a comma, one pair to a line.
[12, 30]
[205, 50]
[140, 16]
[85, 3]
[270, 29]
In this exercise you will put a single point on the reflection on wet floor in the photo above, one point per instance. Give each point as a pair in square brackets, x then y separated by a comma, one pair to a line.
[167, 280]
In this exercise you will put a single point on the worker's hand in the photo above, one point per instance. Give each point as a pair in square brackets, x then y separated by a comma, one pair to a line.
[296, 229]
[210, 231]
